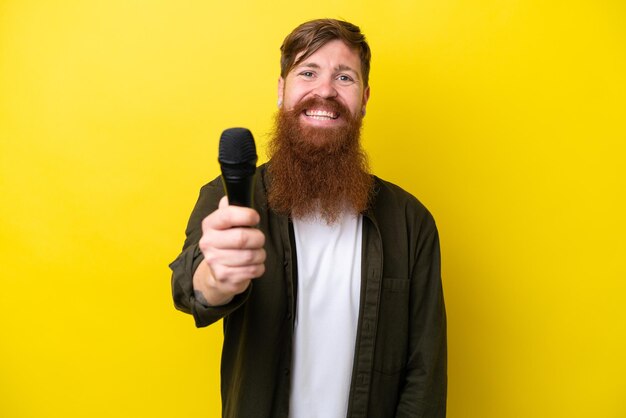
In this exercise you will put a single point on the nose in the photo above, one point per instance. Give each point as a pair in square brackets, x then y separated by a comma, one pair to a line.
[325, 88]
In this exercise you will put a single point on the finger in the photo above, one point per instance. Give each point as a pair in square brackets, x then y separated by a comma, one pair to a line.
[230, 216]
[223, 202]
[232, 238]
[225, 276]
[236, 258]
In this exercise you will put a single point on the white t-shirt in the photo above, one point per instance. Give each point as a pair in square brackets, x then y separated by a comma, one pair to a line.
[329, 288]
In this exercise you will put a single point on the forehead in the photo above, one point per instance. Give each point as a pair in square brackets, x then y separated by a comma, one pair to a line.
[335, 53]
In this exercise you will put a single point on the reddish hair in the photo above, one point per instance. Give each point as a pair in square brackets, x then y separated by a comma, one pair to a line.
[312, 35]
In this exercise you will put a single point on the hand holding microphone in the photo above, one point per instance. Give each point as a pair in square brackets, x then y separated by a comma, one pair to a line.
[232, 248]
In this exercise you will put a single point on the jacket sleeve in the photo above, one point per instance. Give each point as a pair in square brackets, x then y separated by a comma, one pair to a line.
[425, 387]
[184, 266]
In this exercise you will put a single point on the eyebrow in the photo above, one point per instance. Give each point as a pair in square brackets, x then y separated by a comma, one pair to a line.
[340, 67]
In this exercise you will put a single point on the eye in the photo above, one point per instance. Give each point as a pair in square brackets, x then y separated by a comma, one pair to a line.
[307, 74]
[346, 79]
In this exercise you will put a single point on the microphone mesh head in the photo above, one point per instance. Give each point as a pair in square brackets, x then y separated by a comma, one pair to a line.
[237, 147]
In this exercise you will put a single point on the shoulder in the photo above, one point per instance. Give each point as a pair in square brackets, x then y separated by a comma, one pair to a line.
[389, 198]
[396, 211]
[403, 222]
[214, 186]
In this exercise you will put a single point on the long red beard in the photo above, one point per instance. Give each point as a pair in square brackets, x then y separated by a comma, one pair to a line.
[318, 170]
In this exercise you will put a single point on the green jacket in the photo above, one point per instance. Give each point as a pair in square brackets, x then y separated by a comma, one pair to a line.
[400, 355]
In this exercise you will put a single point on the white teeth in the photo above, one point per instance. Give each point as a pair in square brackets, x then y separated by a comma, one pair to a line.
[321, 114]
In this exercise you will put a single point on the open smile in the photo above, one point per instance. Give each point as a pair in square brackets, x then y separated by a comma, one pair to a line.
[321, 114]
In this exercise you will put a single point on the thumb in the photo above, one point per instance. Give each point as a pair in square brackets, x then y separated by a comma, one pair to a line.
[223, 202]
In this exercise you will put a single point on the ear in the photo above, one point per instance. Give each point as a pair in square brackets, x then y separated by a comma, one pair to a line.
[366, 97]
[281, 90]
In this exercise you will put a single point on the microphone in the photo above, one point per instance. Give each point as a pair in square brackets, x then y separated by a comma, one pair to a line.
[237, 158]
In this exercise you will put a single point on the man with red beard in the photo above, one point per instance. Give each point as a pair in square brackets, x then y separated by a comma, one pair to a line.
[330, 287]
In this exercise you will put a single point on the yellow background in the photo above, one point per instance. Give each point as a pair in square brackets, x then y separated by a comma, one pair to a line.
[506, 118]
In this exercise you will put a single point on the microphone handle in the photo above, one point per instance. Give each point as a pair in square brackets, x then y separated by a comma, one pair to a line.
[239, 190]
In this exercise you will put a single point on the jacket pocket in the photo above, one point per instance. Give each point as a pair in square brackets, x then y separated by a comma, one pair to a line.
[393, 326]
